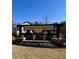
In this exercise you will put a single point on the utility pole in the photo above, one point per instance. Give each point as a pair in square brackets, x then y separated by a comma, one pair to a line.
[46, 19]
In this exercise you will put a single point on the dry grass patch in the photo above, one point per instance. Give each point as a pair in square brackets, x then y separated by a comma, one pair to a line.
[23, 52]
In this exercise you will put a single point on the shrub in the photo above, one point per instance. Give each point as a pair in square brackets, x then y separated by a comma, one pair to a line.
[58, 42]
[17, 41]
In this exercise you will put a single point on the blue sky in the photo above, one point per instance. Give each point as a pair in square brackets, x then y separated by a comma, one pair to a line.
[36, 10]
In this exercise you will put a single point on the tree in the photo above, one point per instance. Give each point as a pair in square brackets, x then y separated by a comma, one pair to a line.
[13, 27]
[63, 28]
[13, 24]
[36, 23]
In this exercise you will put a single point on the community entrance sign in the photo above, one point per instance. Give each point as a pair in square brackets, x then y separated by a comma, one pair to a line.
[43, 31]
[38, 28]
